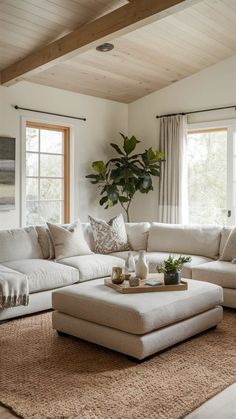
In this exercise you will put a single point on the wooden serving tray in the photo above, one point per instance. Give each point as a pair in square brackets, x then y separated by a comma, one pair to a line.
[124, 288]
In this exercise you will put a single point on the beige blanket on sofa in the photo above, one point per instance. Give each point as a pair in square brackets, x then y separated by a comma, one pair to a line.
[14, 288]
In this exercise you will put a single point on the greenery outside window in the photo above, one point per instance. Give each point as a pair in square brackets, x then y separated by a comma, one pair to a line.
[208, 176]
[47, 174]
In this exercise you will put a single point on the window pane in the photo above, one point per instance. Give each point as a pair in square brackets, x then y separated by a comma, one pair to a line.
[41, 212]
[51, 166]
[32, 139]
[31, 164]
[234, 169]
[32, 216]
[31, 189]
[207, 177]
[51, 141]
[234, 143]
[51, 189]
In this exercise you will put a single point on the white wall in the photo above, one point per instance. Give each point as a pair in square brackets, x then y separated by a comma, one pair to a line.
[105, 119]
[215, 86]
[212, 87]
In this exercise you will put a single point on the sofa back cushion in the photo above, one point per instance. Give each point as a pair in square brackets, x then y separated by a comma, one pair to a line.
[225, 232]
[187, 239]
[137, 235]
[19, 244]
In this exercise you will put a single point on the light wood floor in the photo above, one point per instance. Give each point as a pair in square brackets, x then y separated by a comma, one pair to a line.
[222, 406]
[6, 413]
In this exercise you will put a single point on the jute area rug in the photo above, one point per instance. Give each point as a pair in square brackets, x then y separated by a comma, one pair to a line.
[44, 375]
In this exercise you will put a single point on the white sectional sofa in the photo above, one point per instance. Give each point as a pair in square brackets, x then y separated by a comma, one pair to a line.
[21, 252]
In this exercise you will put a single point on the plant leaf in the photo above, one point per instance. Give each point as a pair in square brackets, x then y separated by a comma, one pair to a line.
[92, 176]
[151, 155]
[117, 148]
[110, 203]
[154, 155]
[99, 167]
[103, 200]
[130, 144]
[145, 184]
[123, 199]
[123, 136]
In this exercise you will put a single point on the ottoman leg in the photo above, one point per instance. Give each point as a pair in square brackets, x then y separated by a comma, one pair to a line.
[138, 361]
[62, 333]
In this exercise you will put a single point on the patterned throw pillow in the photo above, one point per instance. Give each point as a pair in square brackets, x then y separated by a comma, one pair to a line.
[109, 237]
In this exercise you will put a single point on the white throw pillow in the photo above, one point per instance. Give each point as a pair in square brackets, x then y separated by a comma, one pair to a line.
[137, 235]
[109, 237]
[225, 232]
[229, 251]
[69, 240]
[45, 241]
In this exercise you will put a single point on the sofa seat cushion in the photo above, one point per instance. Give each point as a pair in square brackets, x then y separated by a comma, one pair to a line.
[93, 266]
[124, 255]
[43, 274]
[217, 272]
[135, 313]
[154, 258]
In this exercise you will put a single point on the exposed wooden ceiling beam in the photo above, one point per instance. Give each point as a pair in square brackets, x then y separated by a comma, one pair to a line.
[125, 19]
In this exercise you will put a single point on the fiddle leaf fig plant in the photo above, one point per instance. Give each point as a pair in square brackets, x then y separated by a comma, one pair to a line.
[120, 178]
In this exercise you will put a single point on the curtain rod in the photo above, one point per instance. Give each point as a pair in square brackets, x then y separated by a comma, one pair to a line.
[201, 110]
[51, 113]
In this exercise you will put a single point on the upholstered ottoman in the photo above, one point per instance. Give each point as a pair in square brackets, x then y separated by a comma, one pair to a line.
[136, 324]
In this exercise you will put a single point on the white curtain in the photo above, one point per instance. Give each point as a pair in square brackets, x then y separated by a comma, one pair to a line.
[173, 180]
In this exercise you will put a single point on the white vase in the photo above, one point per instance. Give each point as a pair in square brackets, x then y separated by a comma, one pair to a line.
[141, 268]
[130, 263]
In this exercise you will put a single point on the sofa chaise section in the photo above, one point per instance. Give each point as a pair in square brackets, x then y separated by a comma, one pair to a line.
[43, 276]
[219, 273]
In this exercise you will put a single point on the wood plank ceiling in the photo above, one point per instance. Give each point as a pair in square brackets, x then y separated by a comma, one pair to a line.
[27, 25]
[142, 62]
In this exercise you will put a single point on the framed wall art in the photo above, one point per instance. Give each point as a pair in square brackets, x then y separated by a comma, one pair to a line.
[7, 173]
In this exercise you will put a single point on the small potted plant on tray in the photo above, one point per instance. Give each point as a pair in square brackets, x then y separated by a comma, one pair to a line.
[171, 268]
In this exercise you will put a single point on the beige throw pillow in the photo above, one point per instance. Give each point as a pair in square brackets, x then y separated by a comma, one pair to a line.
[109, 237]
[69, 241]
[229, 251]
[45, 241]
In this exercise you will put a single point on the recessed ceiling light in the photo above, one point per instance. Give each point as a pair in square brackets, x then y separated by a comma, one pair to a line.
[105, 47]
